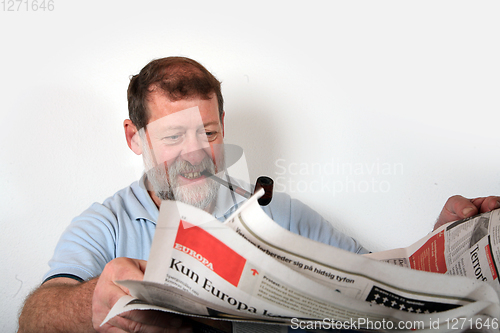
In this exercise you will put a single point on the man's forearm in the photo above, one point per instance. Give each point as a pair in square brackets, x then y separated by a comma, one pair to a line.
[59, 307]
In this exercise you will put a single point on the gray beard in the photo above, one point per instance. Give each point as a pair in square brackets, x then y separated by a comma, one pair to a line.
[200, 196]
[166, 186]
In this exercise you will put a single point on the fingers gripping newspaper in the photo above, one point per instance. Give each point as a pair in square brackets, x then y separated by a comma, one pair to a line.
[469, 247]
[249, 269]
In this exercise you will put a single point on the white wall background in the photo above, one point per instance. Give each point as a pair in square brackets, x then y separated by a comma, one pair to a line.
[371, 112]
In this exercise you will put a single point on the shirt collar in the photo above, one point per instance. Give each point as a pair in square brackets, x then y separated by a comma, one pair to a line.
[150, 212]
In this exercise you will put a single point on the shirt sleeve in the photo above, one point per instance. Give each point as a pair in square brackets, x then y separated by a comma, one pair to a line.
[86, 245]
[299, 218]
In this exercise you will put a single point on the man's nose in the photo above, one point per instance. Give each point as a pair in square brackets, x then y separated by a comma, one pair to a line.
[194, 149]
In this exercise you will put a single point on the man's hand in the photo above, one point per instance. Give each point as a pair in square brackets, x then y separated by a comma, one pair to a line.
[458, 207]
[107, 293]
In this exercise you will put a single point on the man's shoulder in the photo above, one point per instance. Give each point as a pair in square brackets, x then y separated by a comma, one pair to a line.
[121, 226]
[132, 201]
[124, 196]
[284, 202]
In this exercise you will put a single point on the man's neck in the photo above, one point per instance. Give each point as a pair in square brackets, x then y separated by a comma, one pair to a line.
[155, 198]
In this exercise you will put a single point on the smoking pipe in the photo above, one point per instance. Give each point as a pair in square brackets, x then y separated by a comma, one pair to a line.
[264, 182]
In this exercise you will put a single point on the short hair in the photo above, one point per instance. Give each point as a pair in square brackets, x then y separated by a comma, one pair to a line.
[178, 77]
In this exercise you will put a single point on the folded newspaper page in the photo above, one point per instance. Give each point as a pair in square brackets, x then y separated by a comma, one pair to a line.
[249, 269]
[469, 247]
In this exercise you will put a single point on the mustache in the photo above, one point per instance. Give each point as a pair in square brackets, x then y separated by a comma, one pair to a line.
[184, 167]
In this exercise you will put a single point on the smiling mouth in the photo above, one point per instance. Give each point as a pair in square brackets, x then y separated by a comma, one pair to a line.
[191, 175]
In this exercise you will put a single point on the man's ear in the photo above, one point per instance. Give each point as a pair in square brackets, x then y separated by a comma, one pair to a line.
[132, 136]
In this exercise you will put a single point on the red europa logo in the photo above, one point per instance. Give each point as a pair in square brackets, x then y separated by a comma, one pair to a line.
[193, 254]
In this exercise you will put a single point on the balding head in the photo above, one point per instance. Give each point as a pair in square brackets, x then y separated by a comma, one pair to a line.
[178, 78]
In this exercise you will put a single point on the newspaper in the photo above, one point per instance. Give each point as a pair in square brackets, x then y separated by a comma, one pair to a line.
[251, 270]
[469, 247]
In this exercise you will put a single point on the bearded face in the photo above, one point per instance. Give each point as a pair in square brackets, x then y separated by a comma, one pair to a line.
[177, 148]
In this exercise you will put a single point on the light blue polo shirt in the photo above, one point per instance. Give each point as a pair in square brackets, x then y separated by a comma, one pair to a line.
[124, 225]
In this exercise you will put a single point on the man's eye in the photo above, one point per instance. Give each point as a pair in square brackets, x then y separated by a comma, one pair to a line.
[171, 139]
[211, 135]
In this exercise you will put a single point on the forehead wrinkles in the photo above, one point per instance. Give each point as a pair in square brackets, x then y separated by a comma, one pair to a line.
[185, 119]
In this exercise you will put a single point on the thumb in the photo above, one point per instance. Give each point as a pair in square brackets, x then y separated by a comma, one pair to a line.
[456, 208]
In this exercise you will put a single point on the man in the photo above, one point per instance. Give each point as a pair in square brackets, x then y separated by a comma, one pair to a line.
[177, 124]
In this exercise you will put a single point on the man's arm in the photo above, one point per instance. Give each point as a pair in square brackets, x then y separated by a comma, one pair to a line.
[59, 305]
[458, 207]
[66, 305]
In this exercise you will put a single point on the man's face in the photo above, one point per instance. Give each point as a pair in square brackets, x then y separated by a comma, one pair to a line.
[182, 139]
